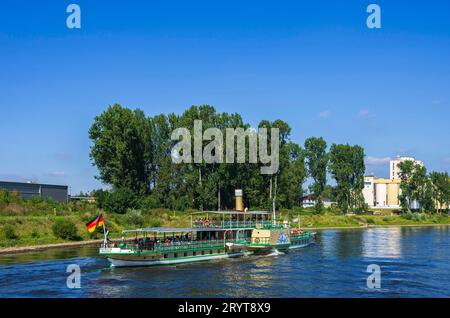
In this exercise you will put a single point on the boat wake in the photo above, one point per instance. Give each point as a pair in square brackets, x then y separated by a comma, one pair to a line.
[275, 252]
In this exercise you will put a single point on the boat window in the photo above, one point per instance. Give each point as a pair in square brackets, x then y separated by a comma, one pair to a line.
[175, 255]
[165, 256]
[185, 254]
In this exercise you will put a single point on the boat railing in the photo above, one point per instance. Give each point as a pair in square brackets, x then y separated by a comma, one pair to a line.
[260, 240]
[176, 246]
[229, 224]
[300, 236]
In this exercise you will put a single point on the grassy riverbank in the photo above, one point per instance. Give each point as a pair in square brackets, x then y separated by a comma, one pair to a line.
[33, 222]
[34, 228]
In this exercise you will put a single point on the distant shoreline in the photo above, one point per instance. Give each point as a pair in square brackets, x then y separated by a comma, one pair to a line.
[36, 248]
[374, 226]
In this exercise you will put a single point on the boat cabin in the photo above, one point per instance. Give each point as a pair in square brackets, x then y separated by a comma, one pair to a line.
[232, 219]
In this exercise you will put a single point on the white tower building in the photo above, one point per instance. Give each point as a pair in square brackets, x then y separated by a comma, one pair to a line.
[393, 167]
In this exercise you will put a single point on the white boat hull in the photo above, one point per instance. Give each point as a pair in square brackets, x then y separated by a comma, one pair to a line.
[293, 247]
[116, 261]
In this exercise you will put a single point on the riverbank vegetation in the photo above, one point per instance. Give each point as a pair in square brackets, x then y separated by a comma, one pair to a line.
[39, 222]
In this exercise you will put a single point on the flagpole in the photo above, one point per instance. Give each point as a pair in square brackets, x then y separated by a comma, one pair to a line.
[104, 233]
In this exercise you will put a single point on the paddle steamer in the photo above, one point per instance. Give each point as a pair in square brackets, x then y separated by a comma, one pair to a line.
[212, 235]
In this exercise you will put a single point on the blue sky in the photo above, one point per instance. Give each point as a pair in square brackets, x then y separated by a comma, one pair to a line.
[314, 64]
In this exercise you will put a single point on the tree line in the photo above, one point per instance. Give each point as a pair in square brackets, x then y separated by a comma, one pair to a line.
[431, 191]
[132, 153]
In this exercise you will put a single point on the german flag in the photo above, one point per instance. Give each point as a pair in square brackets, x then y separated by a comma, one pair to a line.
[92, 225]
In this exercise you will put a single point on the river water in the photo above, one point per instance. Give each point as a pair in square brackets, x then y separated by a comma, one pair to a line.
[414, 262]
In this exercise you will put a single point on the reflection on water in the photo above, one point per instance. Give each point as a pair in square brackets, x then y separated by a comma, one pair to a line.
[415, 262]
[382, 243]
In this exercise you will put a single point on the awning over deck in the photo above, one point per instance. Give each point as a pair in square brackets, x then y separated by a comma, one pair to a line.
[173, 230]
[235, 212]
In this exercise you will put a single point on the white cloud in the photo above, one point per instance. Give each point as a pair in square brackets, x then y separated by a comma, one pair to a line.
[374, 161]
[57, 174]
[325, 114]
[436, 102]
[366, 113]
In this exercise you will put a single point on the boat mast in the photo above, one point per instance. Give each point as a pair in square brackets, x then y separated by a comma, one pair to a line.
[274, 222]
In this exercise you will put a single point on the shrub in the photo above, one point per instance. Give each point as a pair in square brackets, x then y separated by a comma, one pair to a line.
[418, 217]
[370, 221]
[134, 218]
[65, 229]
[407, 215]
[7, 197]
[10, 232]
[35, 199]
[155, 223]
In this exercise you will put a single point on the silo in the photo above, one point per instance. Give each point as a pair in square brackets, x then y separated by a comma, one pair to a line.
[380, 194]
[392, 194]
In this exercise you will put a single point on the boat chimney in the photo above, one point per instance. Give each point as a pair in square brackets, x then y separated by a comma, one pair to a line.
[239, 202]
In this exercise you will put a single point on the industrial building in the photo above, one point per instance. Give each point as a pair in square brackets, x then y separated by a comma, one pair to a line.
[28, 190]
[384, 193]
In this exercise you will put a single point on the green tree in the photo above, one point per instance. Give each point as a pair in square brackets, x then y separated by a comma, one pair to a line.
[133, 154]
[406, 170]
[347, 168]
[330, 192]
[292, 176]
[423, 189]
[120, 200]
[317, 161]
[121, 148]
[441, 189]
